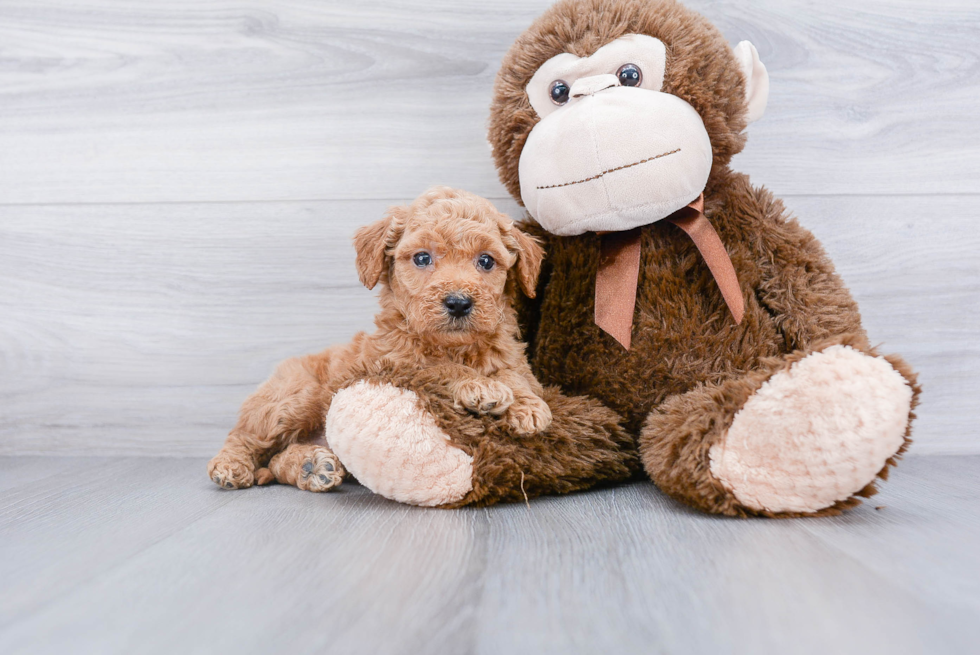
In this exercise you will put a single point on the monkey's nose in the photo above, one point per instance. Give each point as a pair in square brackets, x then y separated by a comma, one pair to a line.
[458, 306]
[586, 86]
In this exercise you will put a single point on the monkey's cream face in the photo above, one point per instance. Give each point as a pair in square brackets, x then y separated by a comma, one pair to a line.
[612, 151]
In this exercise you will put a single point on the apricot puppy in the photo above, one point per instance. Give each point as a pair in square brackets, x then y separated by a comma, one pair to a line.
[447, 265]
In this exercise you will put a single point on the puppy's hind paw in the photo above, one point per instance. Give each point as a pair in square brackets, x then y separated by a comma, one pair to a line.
[320, 471]
[231, 473]
[529, 416]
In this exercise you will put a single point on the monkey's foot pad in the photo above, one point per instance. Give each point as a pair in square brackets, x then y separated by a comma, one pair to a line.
[815, 434]
[394, 448]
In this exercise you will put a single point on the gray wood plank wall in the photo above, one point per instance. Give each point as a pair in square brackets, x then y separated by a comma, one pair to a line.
[179, 182]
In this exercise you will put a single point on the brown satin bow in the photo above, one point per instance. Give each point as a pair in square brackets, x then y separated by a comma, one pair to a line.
[619, 270]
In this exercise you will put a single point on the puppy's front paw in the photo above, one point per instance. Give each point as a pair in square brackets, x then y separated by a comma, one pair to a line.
[528, 416]
[483, 396]
[230, 472]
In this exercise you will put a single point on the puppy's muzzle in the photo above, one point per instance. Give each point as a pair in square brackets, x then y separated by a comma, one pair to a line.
[458, 305]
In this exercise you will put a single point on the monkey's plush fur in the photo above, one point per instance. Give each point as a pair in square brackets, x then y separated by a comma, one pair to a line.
[467, 364]
[789, 413]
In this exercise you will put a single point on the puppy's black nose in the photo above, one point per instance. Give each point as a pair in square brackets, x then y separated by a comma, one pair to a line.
[458, 306]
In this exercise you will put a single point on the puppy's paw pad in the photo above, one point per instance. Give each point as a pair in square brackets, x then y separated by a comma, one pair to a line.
[230, 473]
[484, 396]
[529, 416]
[321, 471]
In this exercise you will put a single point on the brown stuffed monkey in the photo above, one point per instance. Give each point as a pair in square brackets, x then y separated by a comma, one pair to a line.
[674, 292]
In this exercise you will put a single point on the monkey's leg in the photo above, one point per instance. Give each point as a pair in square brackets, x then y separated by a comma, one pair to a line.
[308, 466]
[806, 434]
[286, 409]
[398, 433]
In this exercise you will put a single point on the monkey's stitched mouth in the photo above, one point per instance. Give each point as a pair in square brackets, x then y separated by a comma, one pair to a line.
[611, 170]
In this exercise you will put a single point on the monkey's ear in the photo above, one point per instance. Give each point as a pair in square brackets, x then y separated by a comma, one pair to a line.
[530, 254]
[371, 243]
[756, 80]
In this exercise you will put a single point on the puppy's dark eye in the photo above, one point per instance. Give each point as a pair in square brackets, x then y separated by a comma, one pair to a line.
[629, 75]
[485, 262]
[422, 259]
[559, 92]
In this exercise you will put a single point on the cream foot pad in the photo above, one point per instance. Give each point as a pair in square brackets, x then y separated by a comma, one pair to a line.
[815, 434]
[394, 448]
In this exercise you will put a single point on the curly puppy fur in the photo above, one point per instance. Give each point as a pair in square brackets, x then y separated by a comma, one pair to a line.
[690, 367]
[471, 252]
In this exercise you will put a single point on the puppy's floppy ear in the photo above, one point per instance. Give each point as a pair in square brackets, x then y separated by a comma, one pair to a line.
[530, 254]
[372, 242]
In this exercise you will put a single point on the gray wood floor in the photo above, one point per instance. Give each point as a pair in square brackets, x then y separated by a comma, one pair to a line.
[124, 555]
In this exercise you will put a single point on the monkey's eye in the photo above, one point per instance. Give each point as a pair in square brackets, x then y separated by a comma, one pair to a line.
[422, 259]
[559, 92]
[485, 262]
[629, 75]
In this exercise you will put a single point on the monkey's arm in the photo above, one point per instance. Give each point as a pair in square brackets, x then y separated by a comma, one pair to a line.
[799, 285]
